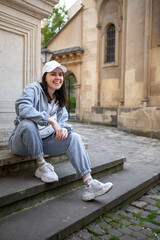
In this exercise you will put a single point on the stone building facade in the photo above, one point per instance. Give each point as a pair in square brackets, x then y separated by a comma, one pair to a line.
[113, 49]
[20, 49]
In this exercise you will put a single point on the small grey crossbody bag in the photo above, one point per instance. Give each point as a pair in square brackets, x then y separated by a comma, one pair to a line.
[46, 131]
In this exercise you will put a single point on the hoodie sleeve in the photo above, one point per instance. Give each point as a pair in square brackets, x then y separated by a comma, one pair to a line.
[26, 107]
[62, 119]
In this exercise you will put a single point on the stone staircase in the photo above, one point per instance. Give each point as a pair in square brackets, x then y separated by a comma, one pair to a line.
[20, 189]
[33, 210]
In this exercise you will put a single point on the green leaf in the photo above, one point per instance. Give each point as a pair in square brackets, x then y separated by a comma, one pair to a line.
[54, 23]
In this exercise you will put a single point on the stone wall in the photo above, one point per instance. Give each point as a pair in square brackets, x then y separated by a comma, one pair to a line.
[104, 115]
[142, 121]
[69, 36]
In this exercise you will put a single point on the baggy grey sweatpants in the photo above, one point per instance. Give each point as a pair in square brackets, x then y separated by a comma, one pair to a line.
[27, 141]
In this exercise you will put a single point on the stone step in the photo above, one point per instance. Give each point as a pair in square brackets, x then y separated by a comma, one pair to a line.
[11, 164]
[23, 189]
[57, 218]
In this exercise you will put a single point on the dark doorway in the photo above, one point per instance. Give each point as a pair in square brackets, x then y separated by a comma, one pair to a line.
[71, 96]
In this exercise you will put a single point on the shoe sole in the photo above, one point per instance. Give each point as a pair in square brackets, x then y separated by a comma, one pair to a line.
[98, 194]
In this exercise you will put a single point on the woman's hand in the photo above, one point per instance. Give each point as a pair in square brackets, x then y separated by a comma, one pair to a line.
[61, 133]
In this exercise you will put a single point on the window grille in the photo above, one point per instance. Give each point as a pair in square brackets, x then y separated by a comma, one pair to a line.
[110, 44]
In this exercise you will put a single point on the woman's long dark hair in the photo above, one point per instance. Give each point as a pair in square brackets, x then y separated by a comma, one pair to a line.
[60, 95]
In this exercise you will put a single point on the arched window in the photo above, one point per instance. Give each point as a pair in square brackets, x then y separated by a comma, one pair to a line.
[71, 95]
[110, 44]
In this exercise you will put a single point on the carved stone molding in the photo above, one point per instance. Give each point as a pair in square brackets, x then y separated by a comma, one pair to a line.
[37, 8]
[99, 26]
[73, 57]
[28, 31]
[77, 86]
[20, 41]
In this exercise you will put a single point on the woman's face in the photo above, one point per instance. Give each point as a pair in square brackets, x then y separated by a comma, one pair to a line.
[54, 80]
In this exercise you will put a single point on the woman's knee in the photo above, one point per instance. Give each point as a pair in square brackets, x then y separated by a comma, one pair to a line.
[28, 126]
[75, 136]
[75, 139]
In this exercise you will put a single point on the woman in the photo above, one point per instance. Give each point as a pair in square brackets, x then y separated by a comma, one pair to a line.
[36, 106]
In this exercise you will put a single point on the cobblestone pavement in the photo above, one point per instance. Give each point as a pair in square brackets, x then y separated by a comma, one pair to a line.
[136, 149]
[140, 219]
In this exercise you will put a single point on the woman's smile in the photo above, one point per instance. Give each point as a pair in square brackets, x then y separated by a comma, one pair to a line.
[54, 80]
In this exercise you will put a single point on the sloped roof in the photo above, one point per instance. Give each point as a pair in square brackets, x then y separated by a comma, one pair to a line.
[73, 49]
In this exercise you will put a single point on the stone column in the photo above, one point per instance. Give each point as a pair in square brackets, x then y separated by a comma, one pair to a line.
[123, 52]
[78, 88]
[159, 25]
[147, 41]
[99, 26]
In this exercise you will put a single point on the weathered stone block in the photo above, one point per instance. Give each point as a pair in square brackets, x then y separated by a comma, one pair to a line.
[139, 204]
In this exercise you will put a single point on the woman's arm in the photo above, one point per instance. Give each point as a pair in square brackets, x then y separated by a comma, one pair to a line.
[61, 126]
[26, 106]
[61, 133]
[62, 118]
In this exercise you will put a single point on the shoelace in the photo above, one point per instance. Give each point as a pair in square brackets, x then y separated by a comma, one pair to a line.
[50, 167]
[96, 185]
[97, 182]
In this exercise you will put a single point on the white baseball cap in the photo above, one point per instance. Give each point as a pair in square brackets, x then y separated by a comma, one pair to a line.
[51, 65]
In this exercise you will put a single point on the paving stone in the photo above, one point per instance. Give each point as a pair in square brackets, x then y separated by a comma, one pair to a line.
[139, 204]
[148, 200]
[105, 237]
[103, 223]
[135, 221]
[151, 208]
[114, 232]
[150, 225]
[157, 219]
[115, 225]
[158, 188]
[117, 216]
[131, 209]
[84, 235]
[154, 196]
[126, 214]
[125, 222]
[145, 214]
[96, 229]
[72, 238]
[106, 219]
[127, 238]
[135, 227]
[153, 191]
[125, 230]
[139, 235]
[147, 232]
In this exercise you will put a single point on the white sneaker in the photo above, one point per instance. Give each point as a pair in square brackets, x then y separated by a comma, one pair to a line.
[46, 173]
[96, 189]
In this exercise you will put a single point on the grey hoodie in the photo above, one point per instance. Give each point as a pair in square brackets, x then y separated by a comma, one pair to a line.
[33, 105]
